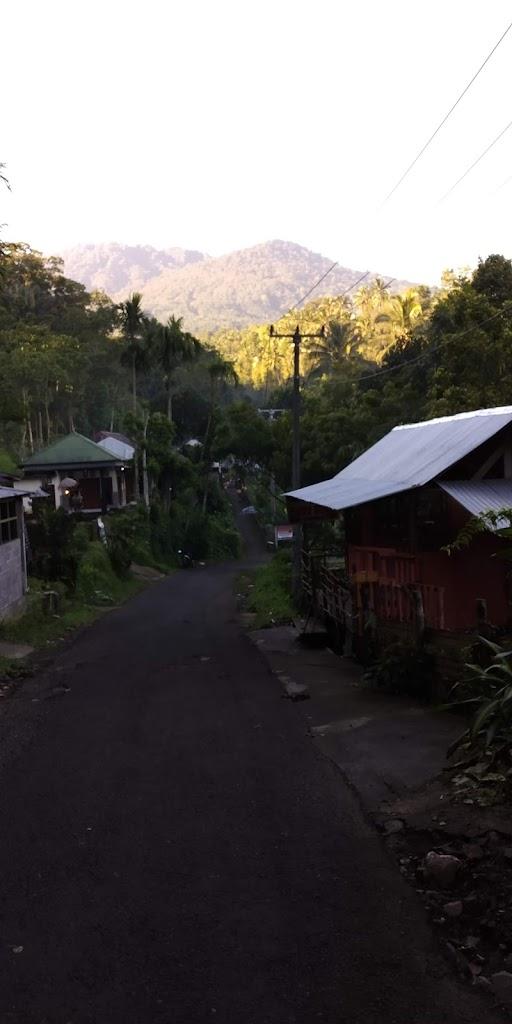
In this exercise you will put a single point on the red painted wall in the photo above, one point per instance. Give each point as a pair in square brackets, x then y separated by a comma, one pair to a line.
[471, 574]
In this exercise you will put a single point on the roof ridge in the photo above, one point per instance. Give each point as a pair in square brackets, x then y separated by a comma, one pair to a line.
[503, 410]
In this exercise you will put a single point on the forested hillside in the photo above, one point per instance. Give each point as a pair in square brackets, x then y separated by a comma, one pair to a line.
[117, 269]
[249, 286]
[365, 323]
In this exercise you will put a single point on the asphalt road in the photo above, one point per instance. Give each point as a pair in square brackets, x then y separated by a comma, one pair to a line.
[175, 851]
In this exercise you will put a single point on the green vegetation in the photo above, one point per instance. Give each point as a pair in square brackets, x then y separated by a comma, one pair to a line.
[249, 286]
[39, 628]
[267, 592]
[403, 668]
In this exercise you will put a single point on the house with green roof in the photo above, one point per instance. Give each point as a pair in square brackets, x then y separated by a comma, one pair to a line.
[77, 473]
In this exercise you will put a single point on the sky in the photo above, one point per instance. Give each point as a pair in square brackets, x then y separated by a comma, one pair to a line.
[219, 124]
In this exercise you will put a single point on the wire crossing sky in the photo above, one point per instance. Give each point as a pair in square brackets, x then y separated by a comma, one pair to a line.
[447, 116]
[160, 124]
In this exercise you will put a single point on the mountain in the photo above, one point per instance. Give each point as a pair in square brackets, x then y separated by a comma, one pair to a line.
[119, 269]
[254, 285]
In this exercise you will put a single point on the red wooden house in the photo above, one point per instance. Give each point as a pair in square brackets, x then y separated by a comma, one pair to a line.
[402, 501]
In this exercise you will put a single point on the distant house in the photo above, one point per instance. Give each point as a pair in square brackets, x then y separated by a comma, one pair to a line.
[74, 465]
[118, 444]
[13, 567]
[402, 501]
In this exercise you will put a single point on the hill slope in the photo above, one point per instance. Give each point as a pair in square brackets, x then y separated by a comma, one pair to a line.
[118, 269]
[253, 285]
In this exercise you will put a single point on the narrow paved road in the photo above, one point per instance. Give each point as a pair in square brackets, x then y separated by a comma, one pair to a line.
[175, 851]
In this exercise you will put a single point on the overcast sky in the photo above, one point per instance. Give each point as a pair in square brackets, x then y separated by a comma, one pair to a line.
[217, 124]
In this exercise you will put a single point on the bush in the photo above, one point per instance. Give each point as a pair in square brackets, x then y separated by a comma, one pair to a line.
[96, 581]
[223, 540]
[121, 533]
[270, 597]
[57, 543]
[487, 692]
[403, 668]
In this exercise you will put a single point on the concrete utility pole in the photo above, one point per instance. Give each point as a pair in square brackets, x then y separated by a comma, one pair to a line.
[297, 337]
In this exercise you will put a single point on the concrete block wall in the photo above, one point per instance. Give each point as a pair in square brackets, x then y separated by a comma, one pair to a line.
[12, 588]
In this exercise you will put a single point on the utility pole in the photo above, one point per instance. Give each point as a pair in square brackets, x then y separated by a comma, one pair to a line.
[297, 337]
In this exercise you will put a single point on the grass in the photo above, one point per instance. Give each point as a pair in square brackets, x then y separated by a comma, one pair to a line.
[39, 630]
[267, 592]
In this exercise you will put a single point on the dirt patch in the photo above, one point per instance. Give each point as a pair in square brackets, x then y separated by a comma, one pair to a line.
[472, 911]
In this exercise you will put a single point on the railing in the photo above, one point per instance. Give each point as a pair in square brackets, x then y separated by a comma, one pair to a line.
[371, 565]
[384, 585]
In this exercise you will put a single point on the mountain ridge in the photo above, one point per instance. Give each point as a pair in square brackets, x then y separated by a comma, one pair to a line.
[252, 285]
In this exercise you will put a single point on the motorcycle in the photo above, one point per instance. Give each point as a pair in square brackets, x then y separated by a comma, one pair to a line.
[186, 560]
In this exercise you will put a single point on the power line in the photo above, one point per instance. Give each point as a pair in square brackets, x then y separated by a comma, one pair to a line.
[445, 118]
[477, 161]
[309, 292]
[322, 278]
[422, 355]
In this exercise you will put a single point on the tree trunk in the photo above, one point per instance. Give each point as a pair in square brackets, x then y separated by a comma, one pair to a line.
[169, 403]
[40, 439]
[136, 481]
[112, 415]
[30, 434]
[71, 422]
[48, 424]
[134, 384]
[145, 480]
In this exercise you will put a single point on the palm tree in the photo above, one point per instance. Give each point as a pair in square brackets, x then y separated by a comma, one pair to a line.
[331, 351]
[133, 322]
[176, 346]
[406, 310]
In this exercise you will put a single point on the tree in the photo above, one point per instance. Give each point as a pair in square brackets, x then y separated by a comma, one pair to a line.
[221, 373]
[243, 433]
[329, 353]
[493, 278]
[176, 346]
[133, 321]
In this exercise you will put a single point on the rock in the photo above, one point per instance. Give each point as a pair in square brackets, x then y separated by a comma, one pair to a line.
[458, 960]
[441, 868]
[392, 826]
[483, 983]
[454, 909]
[502, 987]
[472, 851]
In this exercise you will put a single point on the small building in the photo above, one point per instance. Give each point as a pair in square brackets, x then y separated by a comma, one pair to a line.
[123, 448]
[402, 502]
[13, 565]
[75, 464]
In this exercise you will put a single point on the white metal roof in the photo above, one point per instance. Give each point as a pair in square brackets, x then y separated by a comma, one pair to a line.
[409, 456]
[118, 448]
[12, 492]
[480, 496]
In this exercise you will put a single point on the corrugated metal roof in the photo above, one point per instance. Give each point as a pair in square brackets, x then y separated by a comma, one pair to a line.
[72, 450]
[479, 496]
[12, 492]
[120, 449]
[409, 456]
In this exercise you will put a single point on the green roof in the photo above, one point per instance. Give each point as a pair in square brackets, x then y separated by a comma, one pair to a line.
[73, 450]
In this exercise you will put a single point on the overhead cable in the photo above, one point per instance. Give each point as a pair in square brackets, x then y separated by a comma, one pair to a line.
[477, 161]
[445, 118]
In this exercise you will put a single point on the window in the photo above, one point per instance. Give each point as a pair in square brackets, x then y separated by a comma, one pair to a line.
[8, 522]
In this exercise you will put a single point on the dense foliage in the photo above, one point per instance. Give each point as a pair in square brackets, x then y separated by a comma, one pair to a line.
[250, 285]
